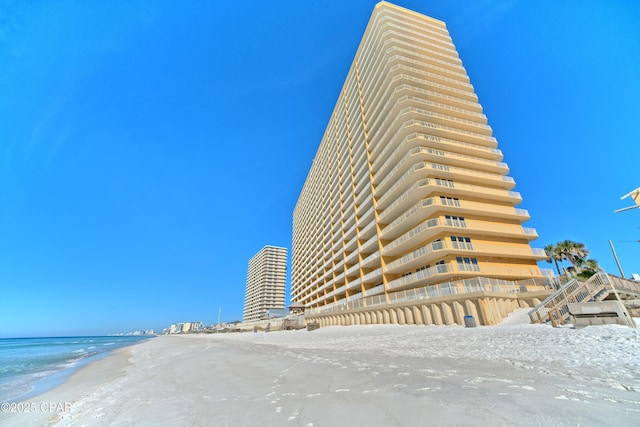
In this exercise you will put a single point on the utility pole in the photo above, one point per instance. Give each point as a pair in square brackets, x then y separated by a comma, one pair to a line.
[615, 256]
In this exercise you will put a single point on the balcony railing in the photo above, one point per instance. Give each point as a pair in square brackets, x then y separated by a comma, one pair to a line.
[469, 225]
[472, 248]
[457, 204]
[458, 287]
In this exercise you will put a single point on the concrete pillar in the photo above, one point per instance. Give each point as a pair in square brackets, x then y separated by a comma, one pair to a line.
[367, 318]
[502, 308]
[379, 317]
[386, 317]
[393, 317]
[426, 315]
[458, 312]
[447, 314]
[436, 314]
[408, 315]
[495, 311]
[472, 310]
[417, 315]
[483, 311]
[400, 314]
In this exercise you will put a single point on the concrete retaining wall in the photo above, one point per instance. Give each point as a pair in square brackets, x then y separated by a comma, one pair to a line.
[488, 308]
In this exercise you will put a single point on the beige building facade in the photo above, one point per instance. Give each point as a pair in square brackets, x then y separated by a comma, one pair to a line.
[408, 188]
[266, 283]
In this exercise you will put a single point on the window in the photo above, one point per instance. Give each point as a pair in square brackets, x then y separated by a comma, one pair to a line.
[449, 201]
[467, 264]
[441, 267]
[438, 166]
[444, 182]
[437, 244]
[461, 242]
[455, 221]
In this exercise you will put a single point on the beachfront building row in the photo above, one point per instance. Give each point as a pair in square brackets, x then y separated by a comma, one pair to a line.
[266, 283]
[408, 187]
[183, 328]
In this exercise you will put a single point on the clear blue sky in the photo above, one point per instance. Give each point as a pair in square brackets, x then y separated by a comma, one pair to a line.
[148, 149]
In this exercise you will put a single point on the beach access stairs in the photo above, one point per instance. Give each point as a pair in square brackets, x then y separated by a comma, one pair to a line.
[601, 286]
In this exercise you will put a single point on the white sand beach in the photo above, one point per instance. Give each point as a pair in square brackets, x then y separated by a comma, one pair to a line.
[384, 375]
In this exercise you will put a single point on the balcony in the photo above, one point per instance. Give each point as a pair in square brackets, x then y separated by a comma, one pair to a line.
[373, 276]
[371, 260]
[354, 285]
[417, 191]
[368, 231]
[388, 159]
[429, 228]
[403, 126]
[367, 216]
[425, 187]
[351, 245]
[376, 290]
[353, 269]
[427, 207]
[420, 277]
[370, 243]
[438, 249]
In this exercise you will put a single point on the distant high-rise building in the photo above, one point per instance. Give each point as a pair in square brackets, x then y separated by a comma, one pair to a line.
[408, 188]
[266, 282]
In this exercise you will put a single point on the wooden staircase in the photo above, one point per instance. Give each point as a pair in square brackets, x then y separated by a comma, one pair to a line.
[598, 287]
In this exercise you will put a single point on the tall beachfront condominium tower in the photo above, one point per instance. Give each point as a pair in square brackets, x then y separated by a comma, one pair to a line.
[266, 282]
[408, 188]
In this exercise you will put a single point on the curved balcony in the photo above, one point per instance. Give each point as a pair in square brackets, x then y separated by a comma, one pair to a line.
[431, 227]
[385, 162]
[424, 187]
[427, 207]
[441, 171]
[426, 253]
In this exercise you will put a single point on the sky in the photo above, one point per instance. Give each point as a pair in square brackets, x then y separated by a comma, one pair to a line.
[149, 149]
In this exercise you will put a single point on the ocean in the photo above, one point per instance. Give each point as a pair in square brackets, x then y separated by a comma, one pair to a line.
[30, 366]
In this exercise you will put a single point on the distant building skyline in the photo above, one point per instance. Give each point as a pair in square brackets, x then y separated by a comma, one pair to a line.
[408, 187]
[266, 282]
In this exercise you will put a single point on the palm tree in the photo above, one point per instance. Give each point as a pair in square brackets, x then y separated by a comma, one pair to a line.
[554, 255]
[587, 268]
[576, 253]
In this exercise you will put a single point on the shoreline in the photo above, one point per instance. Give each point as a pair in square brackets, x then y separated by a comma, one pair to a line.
[392, 375]
[45, 408]
[57, 379]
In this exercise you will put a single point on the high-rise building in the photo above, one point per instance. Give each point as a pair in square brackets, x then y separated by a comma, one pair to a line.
[408, 188]
[266, 283]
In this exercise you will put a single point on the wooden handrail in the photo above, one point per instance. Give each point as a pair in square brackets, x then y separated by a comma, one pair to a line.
[597, 287]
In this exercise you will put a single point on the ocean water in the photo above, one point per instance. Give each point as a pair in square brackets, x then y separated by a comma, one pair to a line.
[29, 366]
